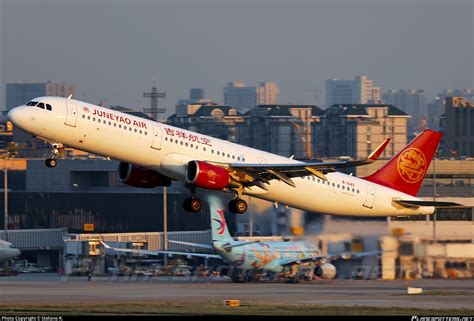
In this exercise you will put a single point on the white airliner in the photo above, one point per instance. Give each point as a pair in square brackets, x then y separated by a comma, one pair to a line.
[155, 154]
[7, 252]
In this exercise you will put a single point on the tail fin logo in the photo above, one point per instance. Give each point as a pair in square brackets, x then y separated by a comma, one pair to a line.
[412, 165]
[221, 228]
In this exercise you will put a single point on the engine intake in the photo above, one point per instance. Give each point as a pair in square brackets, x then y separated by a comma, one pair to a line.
[207, 176]
[326, 271]
[141, 177]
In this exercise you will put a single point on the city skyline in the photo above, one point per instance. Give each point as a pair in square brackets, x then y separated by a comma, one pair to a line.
[123, 46]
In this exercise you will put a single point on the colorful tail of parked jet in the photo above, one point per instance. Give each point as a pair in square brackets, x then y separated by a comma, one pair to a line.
[405, 172]
[220, 230]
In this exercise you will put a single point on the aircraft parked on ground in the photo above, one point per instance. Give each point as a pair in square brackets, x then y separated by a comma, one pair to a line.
[7, 252]
[249, 260]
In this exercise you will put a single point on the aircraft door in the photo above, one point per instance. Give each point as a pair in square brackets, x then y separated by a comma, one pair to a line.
[71, 116]
[370, 196]
[157, 136]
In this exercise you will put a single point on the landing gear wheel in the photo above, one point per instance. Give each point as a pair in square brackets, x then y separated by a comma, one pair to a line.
[51, 162]
[192, 204]
[238, 276]
[292, 279]
[238, 206]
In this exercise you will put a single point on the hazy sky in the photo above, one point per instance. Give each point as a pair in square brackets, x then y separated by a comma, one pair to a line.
[113, 49]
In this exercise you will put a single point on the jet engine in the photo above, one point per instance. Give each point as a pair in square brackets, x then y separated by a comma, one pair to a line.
[141, 177]
[207, 176]
[326, 271]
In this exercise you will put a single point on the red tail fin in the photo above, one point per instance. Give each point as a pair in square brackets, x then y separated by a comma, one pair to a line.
[405, 172]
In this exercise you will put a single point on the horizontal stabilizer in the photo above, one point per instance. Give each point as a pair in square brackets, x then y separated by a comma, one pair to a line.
[419, 203]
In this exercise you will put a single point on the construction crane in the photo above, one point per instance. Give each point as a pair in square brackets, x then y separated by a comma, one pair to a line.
[305, 135]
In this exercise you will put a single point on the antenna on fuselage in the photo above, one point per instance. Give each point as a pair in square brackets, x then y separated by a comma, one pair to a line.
[69, 97]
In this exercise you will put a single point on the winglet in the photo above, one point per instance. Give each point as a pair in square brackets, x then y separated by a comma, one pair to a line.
[379, 150]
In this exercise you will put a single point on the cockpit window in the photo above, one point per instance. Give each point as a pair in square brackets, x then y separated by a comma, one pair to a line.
[48, 107]
[32, 103]
[40, 105]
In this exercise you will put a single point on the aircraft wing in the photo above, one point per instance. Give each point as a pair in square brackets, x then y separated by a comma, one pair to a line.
[260, 174]
[345, 256]
[147, 252]
[205, 246]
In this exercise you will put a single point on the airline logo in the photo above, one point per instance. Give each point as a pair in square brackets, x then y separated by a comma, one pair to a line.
[220, 230]
[211, 176]
[118, 118]
[411, 165]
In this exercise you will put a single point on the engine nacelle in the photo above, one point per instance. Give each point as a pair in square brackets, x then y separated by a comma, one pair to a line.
[326, 271]
[141, 177]
[207, 176]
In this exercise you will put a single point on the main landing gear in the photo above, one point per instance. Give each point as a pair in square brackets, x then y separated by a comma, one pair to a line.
[192, 204]
[238, 205]
[52, 162]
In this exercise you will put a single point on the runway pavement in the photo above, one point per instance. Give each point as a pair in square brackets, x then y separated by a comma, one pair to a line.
[40, 288]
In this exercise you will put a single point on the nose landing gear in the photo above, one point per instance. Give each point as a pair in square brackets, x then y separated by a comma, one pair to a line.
[52, 162]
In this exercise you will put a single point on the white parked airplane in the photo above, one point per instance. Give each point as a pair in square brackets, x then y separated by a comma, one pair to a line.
[7, 252]
[154, 154]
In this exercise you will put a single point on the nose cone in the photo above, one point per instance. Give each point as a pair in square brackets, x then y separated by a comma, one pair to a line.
[16, 114]
[16, 252]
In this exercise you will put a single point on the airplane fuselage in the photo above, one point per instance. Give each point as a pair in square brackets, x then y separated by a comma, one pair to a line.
[264, 256]
[7, 252]
[167, 150]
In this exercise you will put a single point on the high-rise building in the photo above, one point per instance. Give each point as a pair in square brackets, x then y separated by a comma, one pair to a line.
[436, 108]
[267, 93]
[412, 102]
[20, 93]
[357, 91]
[355, 130]
[339, 92]
[197, 94]
[237, 95]
[458, 127]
